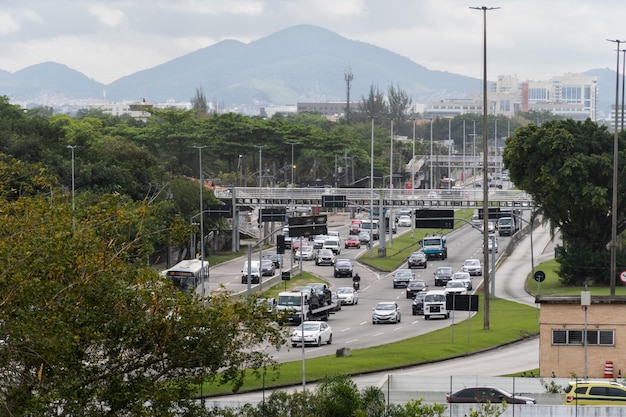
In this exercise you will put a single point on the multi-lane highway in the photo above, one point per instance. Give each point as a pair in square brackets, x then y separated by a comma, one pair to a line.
[352, 326]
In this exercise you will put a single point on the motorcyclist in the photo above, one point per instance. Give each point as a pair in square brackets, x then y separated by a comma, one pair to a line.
[356, 281]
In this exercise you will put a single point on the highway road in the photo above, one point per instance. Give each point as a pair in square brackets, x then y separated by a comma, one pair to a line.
[352, 326]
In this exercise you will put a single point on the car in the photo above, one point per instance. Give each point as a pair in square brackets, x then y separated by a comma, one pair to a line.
[386, 312]
[343, 268]
[443, 274]
[364, 237]
[322, 291]
[404, 221]
[418, 303]
[318, 241]
[348, 295]
[417, 259]
[306, 253]
[455, 288]
[464, 277]
[492, 244]
[473, 267]
[402, 277]
[589, 392]
[255, 275]
[355, 227]
[335, 299]
[352, 241]
[415, 286]
[268, 268]
[325, 257]
[487, 394]
[297, 242]
[312, 333]
[274, 257]
[403, 212]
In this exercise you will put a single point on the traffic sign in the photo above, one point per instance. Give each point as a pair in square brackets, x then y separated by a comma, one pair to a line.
[622, 276]
[539, 276]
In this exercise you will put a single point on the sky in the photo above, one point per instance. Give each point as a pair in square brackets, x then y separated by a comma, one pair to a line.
[109, 39]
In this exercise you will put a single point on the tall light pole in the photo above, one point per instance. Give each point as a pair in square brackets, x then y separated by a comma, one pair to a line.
[614, 199]
[474, 153]
[485, 177]
[382, 215]
[292, 165]
[430, 161]
[372, 194]
[463, 174]
[449, 147]
[199, 148]
[413, 164]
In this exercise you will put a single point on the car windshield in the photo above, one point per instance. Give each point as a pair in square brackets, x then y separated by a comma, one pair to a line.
[345, 290]
[432, 242]
[325, 252]
[454, 284]
[308, 327]
[444, 271]
[385, 307]
[417, 284]
[472, 262]
[435, 298]
[403, 273]
[343, 263]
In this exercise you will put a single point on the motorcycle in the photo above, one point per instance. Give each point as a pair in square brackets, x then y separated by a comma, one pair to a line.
[356, 285]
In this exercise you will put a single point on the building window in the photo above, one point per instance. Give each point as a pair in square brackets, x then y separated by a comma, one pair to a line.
[575, 337]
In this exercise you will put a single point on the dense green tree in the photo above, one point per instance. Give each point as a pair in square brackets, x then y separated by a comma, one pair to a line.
[566, 166]
[399, 103]
[88, 329]
[374, 105]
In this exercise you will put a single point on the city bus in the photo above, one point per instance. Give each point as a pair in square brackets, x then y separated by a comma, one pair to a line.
[187, 275]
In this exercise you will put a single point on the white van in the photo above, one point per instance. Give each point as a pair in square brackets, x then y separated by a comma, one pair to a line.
[255, 272]
[371, 226]
[435, 304]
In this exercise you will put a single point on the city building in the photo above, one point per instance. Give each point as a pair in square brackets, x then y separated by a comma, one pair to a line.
[571, 95]
[563, 322]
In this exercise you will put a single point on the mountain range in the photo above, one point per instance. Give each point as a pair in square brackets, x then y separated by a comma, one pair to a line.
[299, 64]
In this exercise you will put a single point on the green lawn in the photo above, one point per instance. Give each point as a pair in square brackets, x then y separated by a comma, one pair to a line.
[509, 322]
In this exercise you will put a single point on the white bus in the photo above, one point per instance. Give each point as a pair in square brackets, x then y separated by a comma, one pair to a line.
[187, 275]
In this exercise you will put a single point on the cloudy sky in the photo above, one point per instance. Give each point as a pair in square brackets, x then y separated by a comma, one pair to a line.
[108, 39]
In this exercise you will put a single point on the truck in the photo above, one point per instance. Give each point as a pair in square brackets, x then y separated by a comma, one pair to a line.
[290, 305]
[507, 226]
[434, 246]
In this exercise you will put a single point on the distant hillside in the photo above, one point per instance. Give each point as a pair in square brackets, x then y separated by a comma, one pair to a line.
[300, 63]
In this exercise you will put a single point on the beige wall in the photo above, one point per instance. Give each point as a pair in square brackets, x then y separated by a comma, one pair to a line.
[568, 361]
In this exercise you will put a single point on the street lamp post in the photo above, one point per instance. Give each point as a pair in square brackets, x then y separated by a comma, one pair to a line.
[72, 147]
[382, 216]
[372, 194]
[485, 188]
[199, 148]
[413, 164]
[449, 146]
[614, 195]
[430, 161]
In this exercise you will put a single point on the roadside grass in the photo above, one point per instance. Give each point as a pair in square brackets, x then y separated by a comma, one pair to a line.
[509, 322]
[552, 285]
[403, 245]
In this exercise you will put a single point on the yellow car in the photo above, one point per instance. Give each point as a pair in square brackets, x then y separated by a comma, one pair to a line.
[602, 392]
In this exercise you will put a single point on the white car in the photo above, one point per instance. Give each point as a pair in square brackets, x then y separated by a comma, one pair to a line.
[404, 221]
[464, 277]
[455, 287]
[325, 257]
[348, 295]
[386, 312]
[473, 267]
[314, 333]
[492, 244]
[307, 253]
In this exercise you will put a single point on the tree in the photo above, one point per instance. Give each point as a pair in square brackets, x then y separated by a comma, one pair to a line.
[374, 104]
[566, 166]
[199, 103]
[87, 329]
[399, 103]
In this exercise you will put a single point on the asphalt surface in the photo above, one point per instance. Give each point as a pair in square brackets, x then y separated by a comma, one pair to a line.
[510, 278]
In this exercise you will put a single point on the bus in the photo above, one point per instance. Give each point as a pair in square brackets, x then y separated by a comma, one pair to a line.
[447, 183]
[187, 275]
